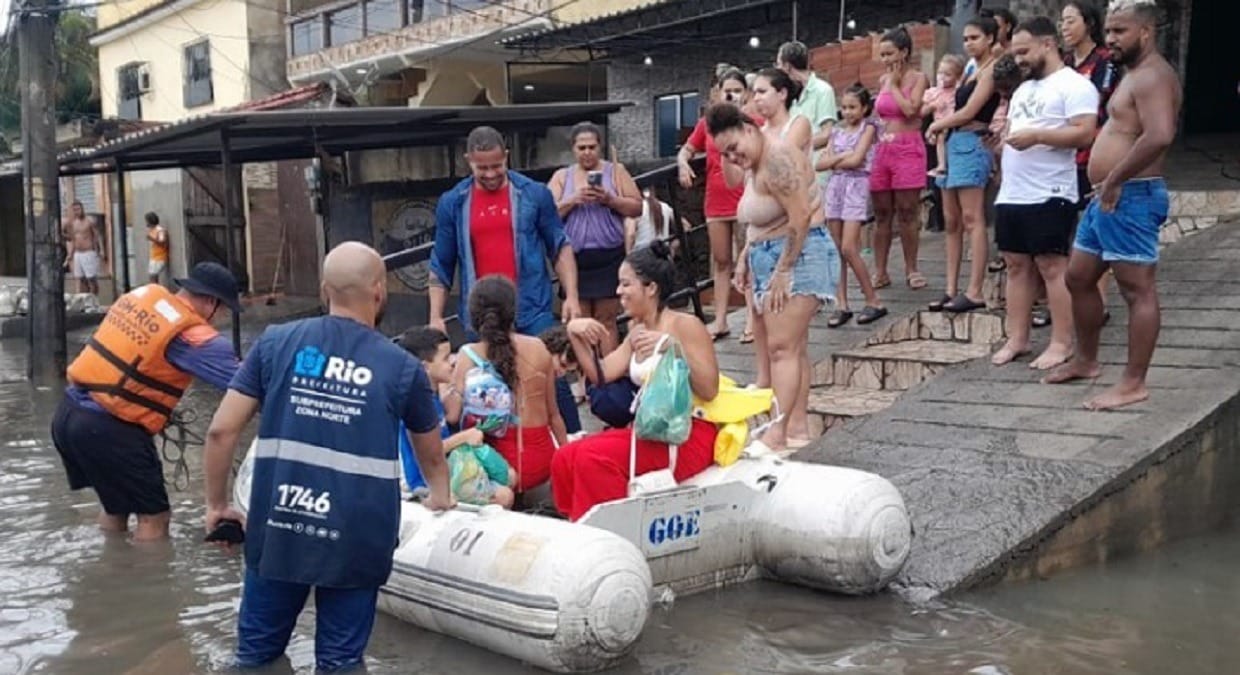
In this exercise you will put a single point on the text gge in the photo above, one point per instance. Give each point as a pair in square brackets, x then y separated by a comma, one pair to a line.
[674, 527]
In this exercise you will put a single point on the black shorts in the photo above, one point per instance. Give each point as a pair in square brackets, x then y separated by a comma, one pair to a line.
[116, 458]
[1036, 229]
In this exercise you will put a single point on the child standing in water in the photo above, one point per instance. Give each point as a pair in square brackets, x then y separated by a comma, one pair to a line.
[849, 155]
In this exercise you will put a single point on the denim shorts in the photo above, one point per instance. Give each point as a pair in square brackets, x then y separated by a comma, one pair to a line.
[1130, 233]
[815, 272]
[969, 161]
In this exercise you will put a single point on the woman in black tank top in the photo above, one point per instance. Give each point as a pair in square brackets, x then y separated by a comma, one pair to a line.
[969, 165]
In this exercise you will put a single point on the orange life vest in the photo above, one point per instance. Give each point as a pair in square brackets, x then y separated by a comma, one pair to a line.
[123, 365]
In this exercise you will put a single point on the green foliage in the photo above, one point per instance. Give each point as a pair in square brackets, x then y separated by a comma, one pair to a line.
[77, 82]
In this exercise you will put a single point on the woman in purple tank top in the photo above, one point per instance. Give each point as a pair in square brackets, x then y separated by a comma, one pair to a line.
[594, 197]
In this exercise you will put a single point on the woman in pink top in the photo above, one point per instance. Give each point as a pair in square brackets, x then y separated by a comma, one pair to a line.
[720, 203]
[899, 172]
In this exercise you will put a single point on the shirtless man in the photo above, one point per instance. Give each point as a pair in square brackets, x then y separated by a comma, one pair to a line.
[83, 250]
[1120, 227]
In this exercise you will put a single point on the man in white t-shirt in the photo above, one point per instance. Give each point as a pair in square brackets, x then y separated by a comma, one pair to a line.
[1051, 114]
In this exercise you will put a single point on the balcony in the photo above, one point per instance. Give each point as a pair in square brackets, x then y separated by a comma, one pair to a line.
[351, 38]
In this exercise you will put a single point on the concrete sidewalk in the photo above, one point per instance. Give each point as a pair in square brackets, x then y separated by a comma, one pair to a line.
[1007, 478]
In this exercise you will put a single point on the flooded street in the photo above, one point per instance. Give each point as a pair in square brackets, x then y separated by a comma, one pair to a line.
[73, 601]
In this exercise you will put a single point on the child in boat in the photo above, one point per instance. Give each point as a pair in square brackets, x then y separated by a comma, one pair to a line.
[434, 349]
[525, 375]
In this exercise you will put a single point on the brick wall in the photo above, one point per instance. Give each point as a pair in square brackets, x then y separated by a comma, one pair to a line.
[856, 60]
[264, 219]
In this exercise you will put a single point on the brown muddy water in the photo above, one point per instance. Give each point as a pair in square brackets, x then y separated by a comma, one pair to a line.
[73, 601]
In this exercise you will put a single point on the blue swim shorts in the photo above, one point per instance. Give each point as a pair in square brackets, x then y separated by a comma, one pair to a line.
[1130, 233]
[969, 161]
[815, 273]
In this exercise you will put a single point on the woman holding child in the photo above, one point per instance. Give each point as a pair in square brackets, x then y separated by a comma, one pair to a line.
[595, 469]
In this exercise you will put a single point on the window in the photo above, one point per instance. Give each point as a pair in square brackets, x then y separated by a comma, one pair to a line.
[129, 103]
[415, 12]
[382, 16]
[674, 115]
[307, 36]
[344, 25]
[197, 86]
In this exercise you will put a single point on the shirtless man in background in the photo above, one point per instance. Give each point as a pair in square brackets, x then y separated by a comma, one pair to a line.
[1120, 227]
[83, 250]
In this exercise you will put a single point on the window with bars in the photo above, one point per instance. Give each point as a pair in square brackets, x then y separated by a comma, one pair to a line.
[197, 70]
[307, 36]
[129, 92]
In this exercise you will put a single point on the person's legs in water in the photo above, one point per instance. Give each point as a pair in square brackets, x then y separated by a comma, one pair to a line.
[344, 619]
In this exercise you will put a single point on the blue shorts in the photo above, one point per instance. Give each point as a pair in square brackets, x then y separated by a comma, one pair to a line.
[815, 272]
[1130, 233]
[969, 161]
[269, 610]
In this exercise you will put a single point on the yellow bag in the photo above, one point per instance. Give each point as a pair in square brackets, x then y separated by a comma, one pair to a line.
[733, 409]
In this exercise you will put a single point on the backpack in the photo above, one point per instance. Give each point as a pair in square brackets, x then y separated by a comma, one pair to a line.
[487, 401]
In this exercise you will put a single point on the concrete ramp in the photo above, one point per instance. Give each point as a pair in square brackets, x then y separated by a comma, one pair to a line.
[1008, 479]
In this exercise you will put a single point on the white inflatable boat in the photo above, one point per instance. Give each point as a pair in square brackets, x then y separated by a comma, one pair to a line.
[574, 597]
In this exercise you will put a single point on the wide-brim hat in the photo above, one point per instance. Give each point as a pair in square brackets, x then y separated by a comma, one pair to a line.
[214, 280]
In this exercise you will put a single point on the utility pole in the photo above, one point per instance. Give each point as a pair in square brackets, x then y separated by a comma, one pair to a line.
[36, 43]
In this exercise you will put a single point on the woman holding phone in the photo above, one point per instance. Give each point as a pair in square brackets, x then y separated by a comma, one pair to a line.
[594, 197]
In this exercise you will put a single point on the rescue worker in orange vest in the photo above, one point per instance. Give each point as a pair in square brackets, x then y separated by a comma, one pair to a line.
[124, 385]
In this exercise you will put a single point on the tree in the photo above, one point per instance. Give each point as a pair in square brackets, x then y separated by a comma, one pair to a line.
[77, 85]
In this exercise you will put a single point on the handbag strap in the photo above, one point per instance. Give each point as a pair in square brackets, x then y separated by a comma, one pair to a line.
[473, 356]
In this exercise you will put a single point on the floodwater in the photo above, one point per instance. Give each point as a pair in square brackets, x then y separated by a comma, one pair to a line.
[73, 601]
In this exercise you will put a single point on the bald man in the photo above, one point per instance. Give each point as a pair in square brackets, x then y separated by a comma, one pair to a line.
[324, 509]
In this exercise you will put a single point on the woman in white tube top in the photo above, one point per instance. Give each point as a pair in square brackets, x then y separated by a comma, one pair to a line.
[595, 469]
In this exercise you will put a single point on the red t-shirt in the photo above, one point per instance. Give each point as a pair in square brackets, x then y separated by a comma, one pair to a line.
[490, 233]
[720, 200]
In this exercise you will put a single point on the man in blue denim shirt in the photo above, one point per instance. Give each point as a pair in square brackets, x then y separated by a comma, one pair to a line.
[498, 221]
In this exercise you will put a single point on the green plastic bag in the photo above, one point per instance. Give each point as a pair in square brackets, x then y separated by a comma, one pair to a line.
[468, 478]
[665, 403]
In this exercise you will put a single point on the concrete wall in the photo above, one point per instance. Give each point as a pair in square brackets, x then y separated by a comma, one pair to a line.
[462, 83]
[161, 46]
[110, 13]
[158, 191]
[268, 51]
[1184, 489]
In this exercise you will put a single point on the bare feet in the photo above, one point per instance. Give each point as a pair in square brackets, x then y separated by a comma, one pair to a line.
[1118, 395]
[1007, 354]
[1073, 370]
[1054, 355]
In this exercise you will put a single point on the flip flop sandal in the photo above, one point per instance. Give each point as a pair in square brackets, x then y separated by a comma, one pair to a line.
[715, 337]
[996, 265]
[1041, 319]
[870, 315]
[938, 305]
[916, 281]
[882, 282]
[838, 318]
[963, 303]
[746, 337]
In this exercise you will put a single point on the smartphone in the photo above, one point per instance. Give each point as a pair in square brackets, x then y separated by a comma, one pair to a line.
[594, 179]
[228, 530]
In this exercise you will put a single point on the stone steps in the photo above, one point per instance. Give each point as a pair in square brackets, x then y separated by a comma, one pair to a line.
[898, 366]
[831, 405]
